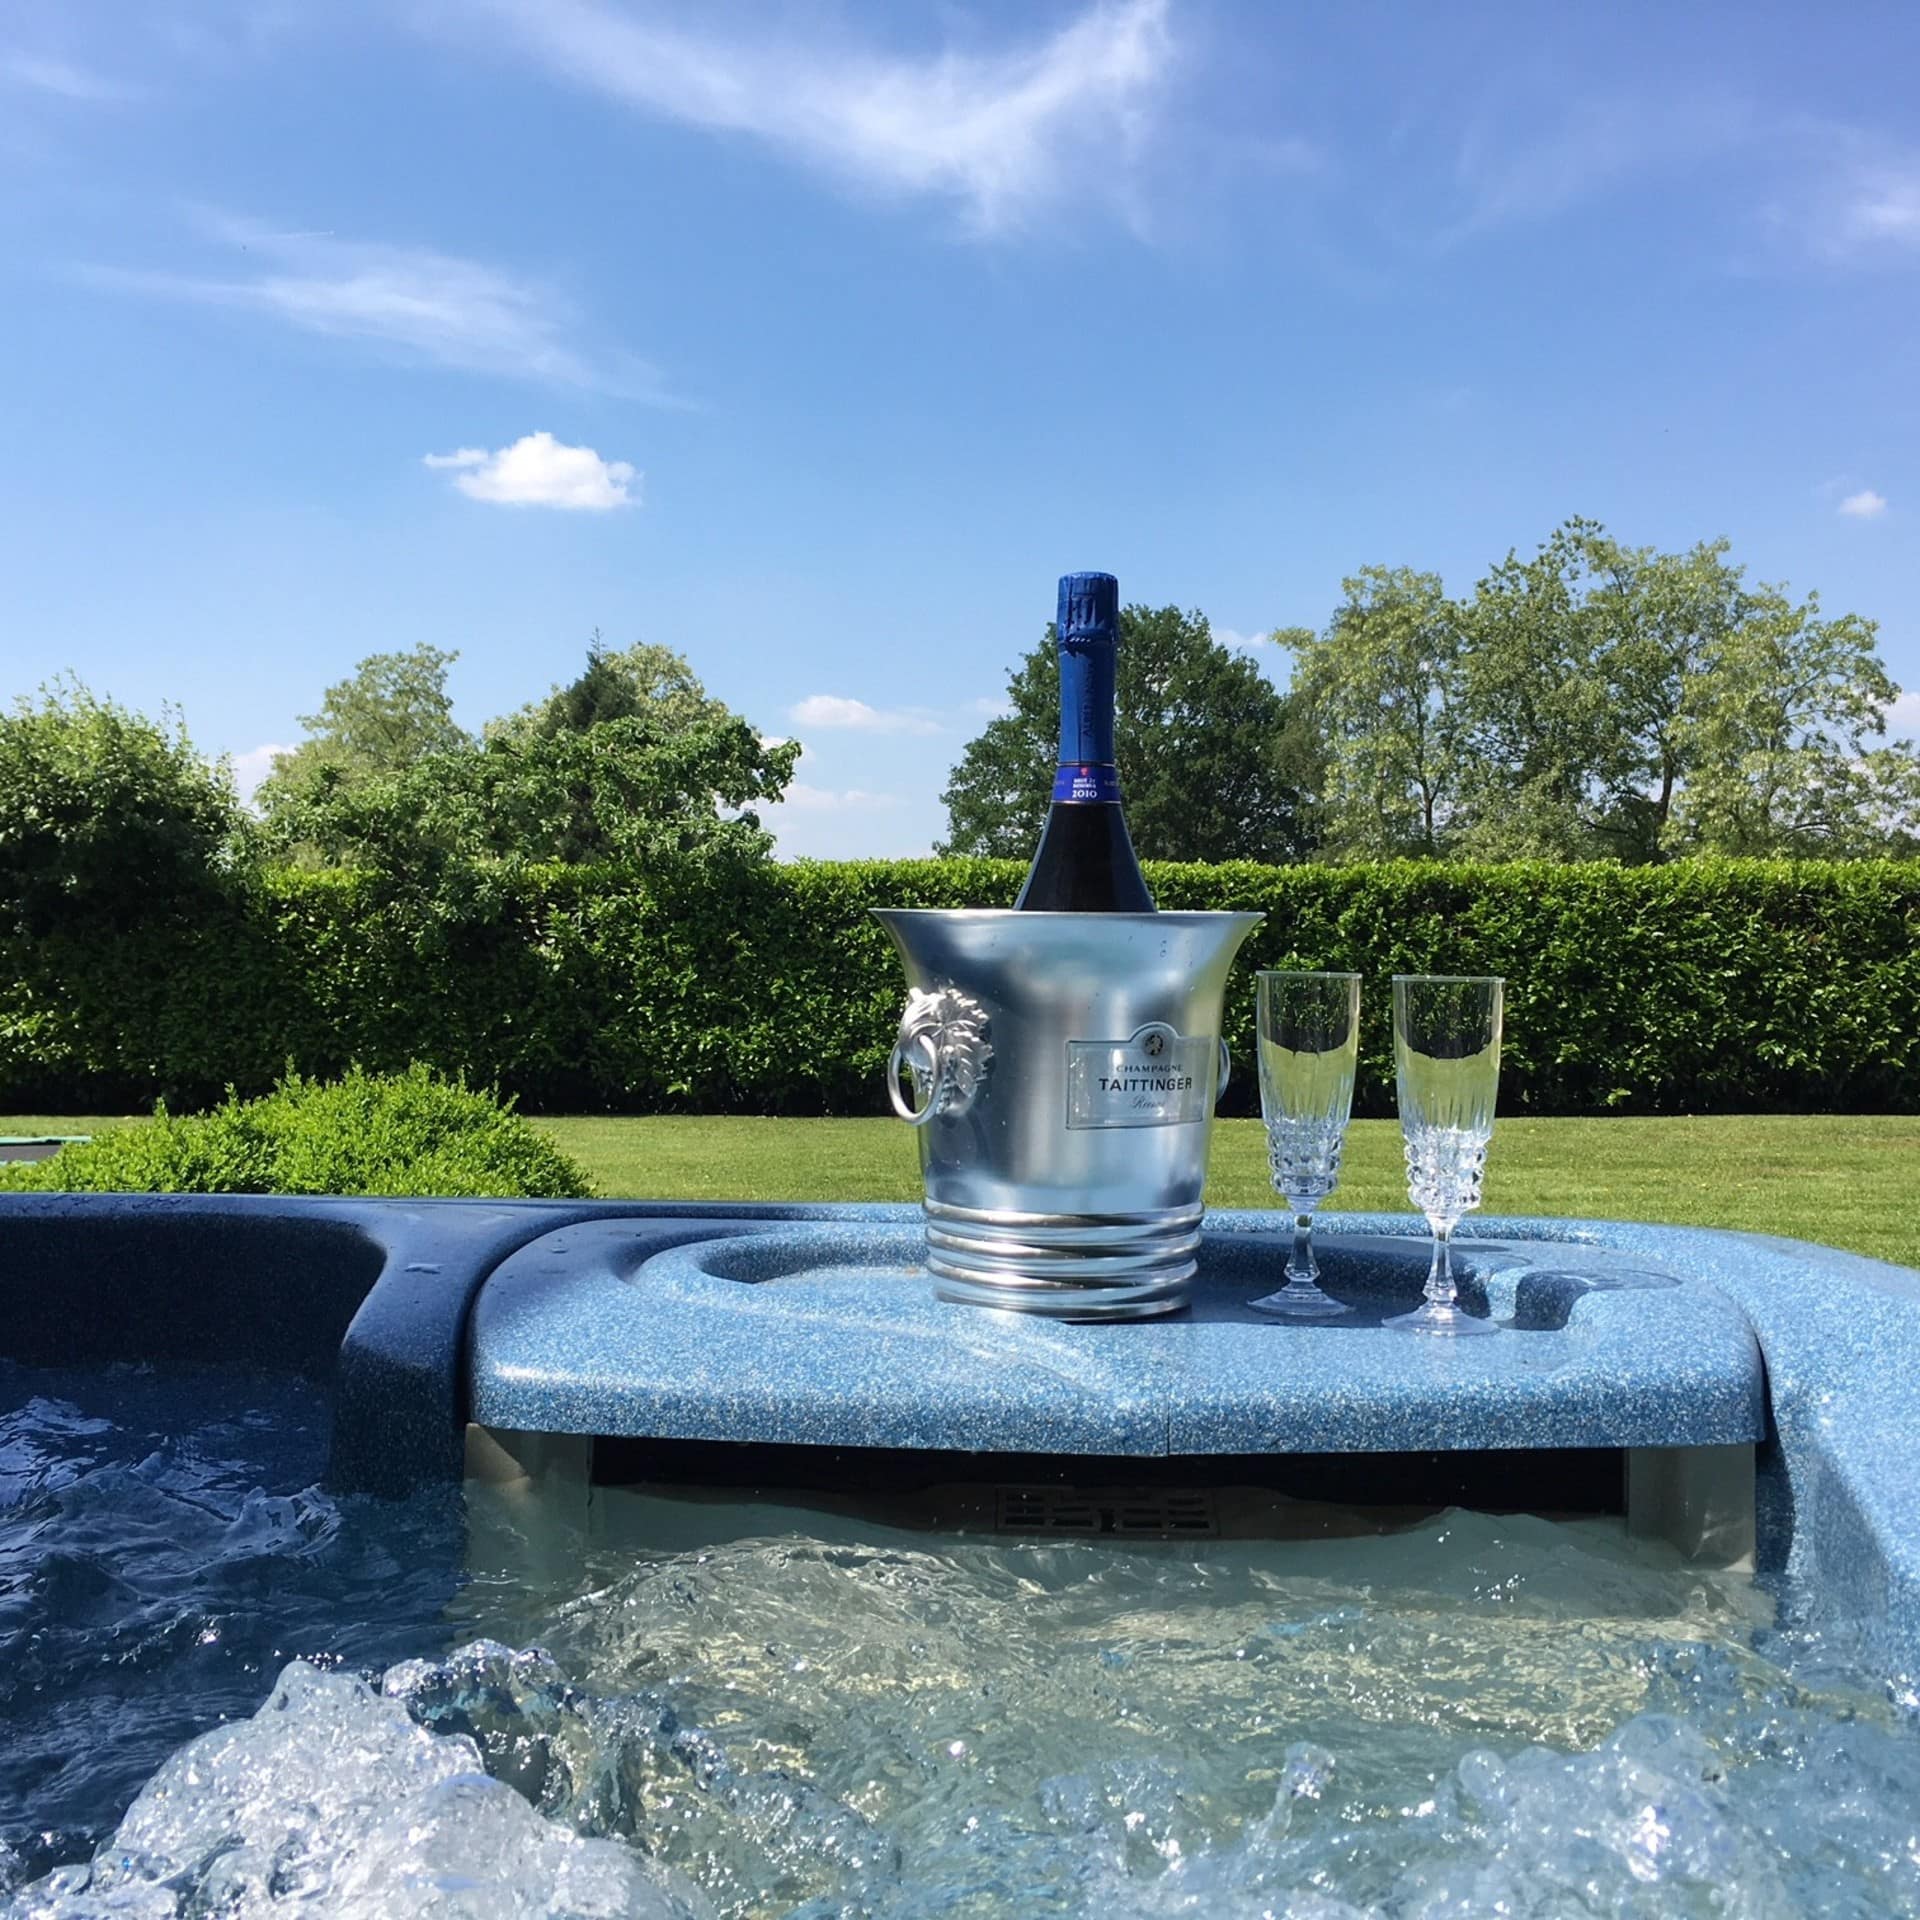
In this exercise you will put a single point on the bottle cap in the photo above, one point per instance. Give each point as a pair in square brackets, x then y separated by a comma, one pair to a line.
[1089, 608]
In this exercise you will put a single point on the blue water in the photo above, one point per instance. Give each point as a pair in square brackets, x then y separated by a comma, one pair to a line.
[224, 1693]
[164, 1551]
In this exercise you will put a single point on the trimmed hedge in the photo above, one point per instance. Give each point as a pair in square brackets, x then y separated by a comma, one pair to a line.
[1701, 986]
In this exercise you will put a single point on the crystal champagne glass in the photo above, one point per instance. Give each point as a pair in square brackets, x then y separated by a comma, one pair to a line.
[1446, 1053]
[1309, 1033]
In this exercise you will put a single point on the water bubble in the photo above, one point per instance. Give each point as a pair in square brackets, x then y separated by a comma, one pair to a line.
[331, 1800]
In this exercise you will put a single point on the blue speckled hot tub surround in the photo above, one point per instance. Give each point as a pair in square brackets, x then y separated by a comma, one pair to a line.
[829, 1334]
[383, 1291]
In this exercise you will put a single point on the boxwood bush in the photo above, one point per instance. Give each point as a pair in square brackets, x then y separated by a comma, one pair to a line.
[1702, 986]
[414, 1133]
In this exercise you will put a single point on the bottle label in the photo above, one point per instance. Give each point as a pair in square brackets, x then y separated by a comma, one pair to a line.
[1159, 1078]
[1087, 785]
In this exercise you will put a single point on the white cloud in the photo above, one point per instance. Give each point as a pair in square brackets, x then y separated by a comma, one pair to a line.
[540, 471]
[1864, 505]
[44, 74]
[1000, 131]
[1903, 716]
[253, 766]
[1245, 642]
[435, 306]
[833, 710]
[849, 823]
[991, 708]
[805, 799]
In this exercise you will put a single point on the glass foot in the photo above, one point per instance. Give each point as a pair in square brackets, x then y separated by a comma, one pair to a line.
[1447, 1323]
[1300, 1300]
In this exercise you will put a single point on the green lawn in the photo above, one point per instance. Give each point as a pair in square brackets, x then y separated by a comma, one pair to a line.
[1847, 1180]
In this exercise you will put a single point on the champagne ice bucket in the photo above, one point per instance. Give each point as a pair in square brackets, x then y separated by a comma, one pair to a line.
[1062, 1070]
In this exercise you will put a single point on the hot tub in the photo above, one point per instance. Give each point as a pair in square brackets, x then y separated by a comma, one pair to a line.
[680, 1559]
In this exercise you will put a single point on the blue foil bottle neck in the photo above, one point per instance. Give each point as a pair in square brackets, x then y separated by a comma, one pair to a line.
[1087, 628]
[1087, 685]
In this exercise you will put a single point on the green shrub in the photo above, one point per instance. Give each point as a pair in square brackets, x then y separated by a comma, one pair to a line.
[409, 1134]
[1706, 986]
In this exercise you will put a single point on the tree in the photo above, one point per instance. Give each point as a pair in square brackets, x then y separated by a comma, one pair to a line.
[1646, 704]
[1544, 744]
[623, 790]
[1384, 691]
[1776, 734]
[1214, 761]
[390, 712]
[631, 760]
[620, 685]
[1660, 622]
[108, 820]
[1601, 700]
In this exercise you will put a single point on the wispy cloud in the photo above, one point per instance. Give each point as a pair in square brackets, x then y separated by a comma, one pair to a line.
[1883, 208]
[1853, 199]
[1243, 642]
[1000, 132]
[1903, 716]
[1538, 143]
[432, 306]
[42, 73]
[1508, 170]
[834, 711]
[539, 471]
[1864, 505]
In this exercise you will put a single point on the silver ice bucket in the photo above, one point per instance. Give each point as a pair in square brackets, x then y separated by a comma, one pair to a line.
[1062, 1069]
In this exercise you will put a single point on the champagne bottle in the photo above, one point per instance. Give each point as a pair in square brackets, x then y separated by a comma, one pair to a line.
[1085, 861]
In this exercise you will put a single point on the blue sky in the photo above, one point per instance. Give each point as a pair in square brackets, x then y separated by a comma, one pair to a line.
[817, 337]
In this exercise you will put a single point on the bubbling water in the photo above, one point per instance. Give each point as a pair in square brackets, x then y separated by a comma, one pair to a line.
[484, 1786]
[748, 1712]
[332, 1800]
[1466, 1713]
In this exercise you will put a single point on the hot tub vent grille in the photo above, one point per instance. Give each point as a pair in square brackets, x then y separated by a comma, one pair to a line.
[1152, 1511]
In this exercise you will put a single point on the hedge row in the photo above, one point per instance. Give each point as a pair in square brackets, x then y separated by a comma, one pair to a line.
[1700, 987]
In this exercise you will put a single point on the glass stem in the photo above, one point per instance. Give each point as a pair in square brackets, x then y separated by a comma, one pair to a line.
[1441, 1291]
[1302, 1269]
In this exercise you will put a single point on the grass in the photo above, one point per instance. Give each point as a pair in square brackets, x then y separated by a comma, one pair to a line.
[1843, 1179]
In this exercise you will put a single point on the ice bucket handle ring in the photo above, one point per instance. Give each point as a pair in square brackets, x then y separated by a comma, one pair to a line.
[943, 1038]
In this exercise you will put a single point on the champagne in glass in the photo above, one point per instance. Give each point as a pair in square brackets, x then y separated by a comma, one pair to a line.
[1309, 1044]
[1446, 1052]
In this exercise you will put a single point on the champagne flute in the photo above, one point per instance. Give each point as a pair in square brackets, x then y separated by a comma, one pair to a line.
[1309, 1037]
[1446, 1053]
